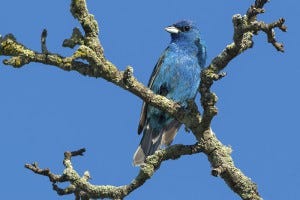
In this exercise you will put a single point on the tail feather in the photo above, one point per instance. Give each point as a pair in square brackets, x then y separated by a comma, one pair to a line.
[153, 139]
[149, 144]
[170, 133]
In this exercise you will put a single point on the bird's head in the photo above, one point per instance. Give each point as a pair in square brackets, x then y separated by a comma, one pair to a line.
[184, 30]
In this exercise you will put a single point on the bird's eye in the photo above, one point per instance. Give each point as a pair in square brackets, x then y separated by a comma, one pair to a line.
[186, 28]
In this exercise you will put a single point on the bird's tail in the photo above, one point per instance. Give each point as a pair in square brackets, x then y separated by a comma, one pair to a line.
[153, 138]
[150, 142]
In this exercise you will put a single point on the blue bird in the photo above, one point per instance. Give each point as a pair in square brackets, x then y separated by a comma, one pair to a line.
[177, 77]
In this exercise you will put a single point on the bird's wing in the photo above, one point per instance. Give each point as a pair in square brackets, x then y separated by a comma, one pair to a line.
[202, 53]
[152, 78]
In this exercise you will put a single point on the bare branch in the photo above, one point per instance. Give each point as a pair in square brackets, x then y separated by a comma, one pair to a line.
[76, 39]
[89, 24]
[269, 30]
[45, 172]
[43, 42]
[81, 188]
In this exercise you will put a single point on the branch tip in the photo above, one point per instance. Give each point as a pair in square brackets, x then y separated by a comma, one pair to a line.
[128, 76]
[75, 39]
[87, 176]
[219, 76]
[78, 152]
[43, 42]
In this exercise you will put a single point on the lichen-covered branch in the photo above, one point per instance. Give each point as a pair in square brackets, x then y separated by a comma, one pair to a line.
[244, 29]
[84, 190]
[90, 50]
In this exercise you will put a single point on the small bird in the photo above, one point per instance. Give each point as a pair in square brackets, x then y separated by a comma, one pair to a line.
[177, 77]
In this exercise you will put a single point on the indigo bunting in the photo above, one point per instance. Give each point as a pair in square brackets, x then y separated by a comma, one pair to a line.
[177, 77]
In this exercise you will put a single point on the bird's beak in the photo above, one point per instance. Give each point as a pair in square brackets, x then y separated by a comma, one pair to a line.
[172, 29]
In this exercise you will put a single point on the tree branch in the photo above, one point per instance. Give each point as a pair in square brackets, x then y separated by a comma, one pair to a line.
[90, 49]
[83, 189]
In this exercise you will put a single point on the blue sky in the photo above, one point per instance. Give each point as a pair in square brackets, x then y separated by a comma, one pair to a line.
[46, 111]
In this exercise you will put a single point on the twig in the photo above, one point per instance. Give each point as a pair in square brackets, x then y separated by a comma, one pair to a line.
[81, 188]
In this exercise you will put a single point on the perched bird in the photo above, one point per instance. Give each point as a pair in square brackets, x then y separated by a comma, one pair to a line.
[177, 77]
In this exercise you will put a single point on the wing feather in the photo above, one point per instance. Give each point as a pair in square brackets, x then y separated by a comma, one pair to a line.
[150, 83]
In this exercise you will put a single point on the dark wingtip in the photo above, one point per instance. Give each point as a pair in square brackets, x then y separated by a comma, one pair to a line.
[140, 128]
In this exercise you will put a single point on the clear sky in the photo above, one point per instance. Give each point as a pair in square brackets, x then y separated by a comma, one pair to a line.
[45, 111]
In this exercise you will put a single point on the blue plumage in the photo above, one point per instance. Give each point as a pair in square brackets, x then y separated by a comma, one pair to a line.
[176, 76]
